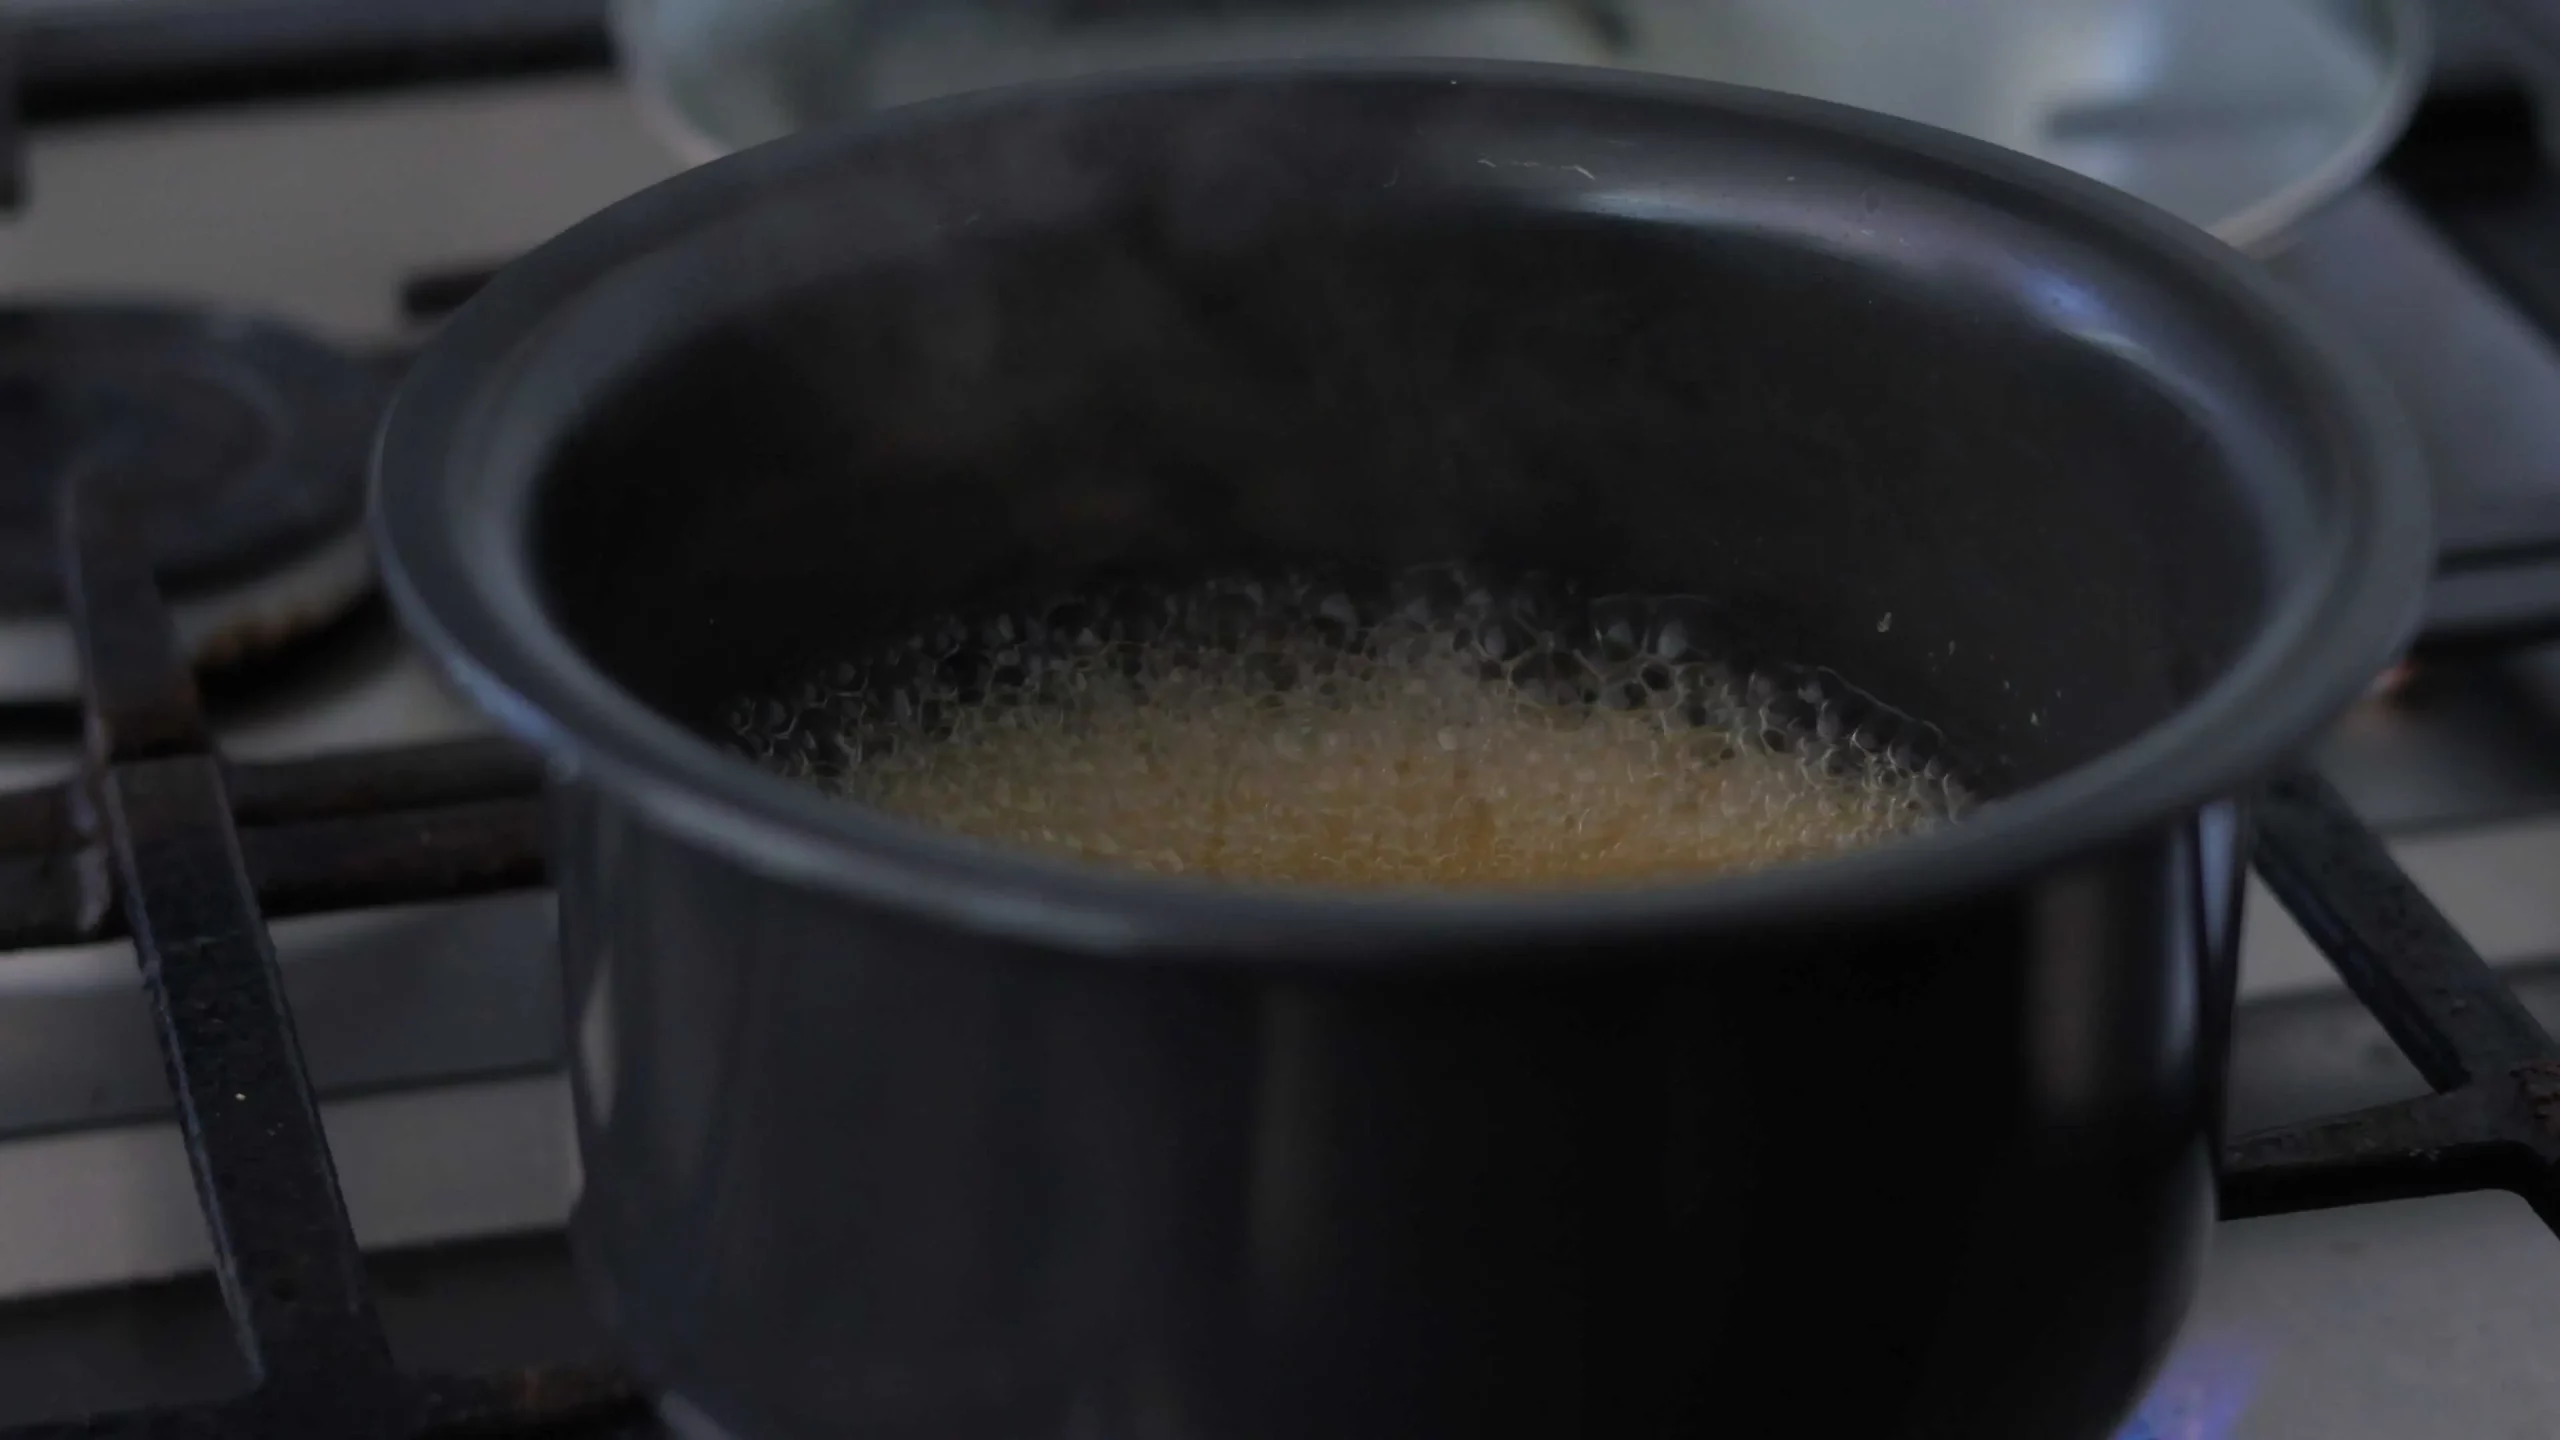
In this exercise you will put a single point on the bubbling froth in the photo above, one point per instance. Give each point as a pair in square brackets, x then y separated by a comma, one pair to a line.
[1433, 731]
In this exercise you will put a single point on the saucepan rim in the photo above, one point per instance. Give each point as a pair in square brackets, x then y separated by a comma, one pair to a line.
[462, 584]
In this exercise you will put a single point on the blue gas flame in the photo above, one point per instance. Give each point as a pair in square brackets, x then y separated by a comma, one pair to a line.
[2201, 1395]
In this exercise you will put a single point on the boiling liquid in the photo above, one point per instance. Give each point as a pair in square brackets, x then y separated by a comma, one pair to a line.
[1447, 734]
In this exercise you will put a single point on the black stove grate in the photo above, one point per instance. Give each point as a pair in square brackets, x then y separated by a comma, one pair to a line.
[161, 839]
[187, 855]
[2493, 1122]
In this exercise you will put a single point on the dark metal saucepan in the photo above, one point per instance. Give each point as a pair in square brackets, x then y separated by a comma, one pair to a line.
[889, 1133]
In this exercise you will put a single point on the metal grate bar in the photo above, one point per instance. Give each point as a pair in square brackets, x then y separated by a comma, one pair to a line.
[87, 62]
[350, 784]
[2433, 1145]
[2441, 1003]
[292, 1276]
[551, 1403]
[368, 782]
[376, 827]
[2495, 1123]
[400, 858]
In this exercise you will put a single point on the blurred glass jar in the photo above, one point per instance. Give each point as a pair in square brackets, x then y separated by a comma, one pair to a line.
[2240, 115]
[731, 73]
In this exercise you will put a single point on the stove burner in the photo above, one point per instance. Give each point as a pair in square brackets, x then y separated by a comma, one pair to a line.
[247, 442]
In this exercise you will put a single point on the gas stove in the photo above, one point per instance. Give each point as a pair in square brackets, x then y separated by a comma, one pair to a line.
[228, 239]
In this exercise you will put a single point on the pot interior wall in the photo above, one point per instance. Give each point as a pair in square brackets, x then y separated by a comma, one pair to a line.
[1976, 486]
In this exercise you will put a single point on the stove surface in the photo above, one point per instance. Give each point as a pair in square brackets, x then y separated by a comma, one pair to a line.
[433, 1032]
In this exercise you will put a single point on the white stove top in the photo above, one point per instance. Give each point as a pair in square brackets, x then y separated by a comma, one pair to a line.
[2430, 1318]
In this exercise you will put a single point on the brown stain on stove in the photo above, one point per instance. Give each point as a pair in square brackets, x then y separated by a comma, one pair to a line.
[254, 636]
[2539, 1080]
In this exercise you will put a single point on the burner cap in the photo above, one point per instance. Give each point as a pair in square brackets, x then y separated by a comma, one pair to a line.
[249, 443]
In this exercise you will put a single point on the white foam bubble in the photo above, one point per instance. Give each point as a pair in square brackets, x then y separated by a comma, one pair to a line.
[1443, 732]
